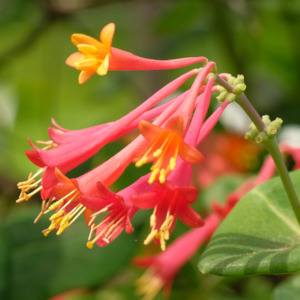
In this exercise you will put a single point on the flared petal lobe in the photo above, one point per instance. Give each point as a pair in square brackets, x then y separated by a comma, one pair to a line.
[165, 144]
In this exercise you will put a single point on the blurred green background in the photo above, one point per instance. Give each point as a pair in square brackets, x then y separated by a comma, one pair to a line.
[259, 38]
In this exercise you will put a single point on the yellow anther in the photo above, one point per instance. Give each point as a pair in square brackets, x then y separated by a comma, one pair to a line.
[62, 228]
[55, 223]
[162, 242]
[46, 232]
[167, 223]
[162, 176]
[153, 175]
[56, 215]
[150, 237]
[152, 220]
[172, 163]
[157, 153]
[56, 204]
[141, 162]
[90, 245]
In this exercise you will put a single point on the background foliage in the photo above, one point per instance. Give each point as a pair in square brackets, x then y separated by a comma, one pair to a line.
[258, 38]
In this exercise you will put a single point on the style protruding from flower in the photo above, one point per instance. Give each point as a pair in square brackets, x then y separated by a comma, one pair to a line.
[165, 146]
[97, 56]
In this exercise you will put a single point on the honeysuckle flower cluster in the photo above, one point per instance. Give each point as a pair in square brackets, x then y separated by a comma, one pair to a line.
[170, 132]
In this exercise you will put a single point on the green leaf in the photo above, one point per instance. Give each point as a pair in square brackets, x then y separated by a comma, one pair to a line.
[289, 289]
[260, 235]
[39, 267]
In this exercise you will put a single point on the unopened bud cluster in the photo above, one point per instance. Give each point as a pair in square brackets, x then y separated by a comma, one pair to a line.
[238, 86]
[269, 132]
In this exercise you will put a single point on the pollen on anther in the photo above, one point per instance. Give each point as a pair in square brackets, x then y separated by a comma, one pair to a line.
[90, 245]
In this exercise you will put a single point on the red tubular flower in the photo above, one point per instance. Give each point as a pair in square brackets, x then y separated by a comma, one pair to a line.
[97, 56]
[120, 208]
[169, 202]
[163, 267]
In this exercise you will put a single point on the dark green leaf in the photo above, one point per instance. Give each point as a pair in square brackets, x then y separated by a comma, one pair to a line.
[260, 235]
[38, 267]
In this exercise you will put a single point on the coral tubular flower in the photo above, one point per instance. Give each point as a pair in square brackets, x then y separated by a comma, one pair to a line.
[120, 211]
[169, 202]
[162, 268]
[97, 56]
[166, 145]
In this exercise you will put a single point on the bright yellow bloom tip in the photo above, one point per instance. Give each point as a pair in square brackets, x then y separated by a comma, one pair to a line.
[166, 144]
[93, 55]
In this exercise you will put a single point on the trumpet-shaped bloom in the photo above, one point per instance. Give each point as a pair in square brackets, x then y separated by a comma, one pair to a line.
[119, 209]
[97, 56]
[118, 217]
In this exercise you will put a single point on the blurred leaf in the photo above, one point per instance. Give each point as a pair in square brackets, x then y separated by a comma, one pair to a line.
[220, 189]
[260, 235]
[289, 289]
[39, 267]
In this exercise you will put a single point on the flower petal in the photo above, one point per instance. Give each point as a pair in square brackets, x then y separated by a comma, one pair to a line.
[175, 125]
[190, 193]
[79, 38]
[190, 217]
[190, 154]
[145, 201]
[85, 75]
[148, 130]
[107, 34]
[74, 58]
[102, 70]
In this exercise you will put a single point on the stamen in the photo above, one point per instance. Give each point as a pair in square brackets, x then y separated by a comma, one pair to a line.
[29, 184]
[109, 229]
[163, 234]
[141, 162]
[149, 284]
[61, 201]
[70, 218]
[153, 175]
[49, 144]
[150, 237]
[26, 197]
[162, 176]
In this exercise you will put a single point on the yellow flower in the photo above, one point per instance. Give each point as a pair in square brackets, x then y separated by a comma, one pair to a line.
[93, 55]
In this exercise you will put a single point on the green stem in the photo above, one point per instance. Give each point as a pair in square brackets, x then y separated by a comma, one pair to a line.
[271, 145]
